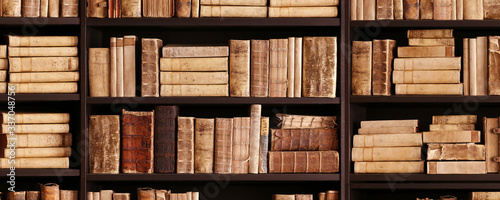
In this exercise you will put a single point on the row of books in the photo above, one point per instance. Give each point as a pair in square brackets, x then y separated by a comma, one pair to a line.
[328, 195]
[39, 8]
[143, 193]
[481, 66]
[424, 9]
[211, 8]
[47, 191]
[473, 196]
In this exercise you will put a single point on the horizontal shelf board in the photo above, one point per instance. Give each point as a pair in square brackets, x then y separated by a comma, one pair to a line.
[211, 100]
[41, 172]
[426, 186]
[212, 177]
[21, 21]
[425, 99]
[40, 97]
[217, 22]
[406, 178]
[428, 23]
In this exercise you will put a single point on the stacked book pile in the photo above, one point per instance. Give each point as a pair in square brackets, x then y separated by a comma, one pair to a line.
[40, 8]
[4, 65]
[143, 193]
[491, 143]
[422, 73]
[39, 140]
[230, 8]
[388, 146]
[47, 191]
[43, 64]
[328, 195]
[451, 146]
[481, 66]
[304, 144]
[303, 8]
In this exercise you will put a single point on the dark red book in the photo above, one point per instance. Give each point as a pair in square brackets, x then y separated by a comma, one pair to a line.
[137, 142]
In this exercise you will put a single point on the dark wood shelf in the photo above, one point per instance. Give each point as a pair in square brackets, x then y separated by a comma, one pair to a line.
[211, 100]
[426, 186]
[407, 178]
[42, 172]
[424, 99]
[428, 23]
[22, 21]
[215, 22]
[214, 177]
[40, 97]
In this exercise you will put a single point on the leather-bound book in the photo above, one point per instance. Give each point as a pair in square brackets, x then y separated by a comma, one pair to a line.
[298, 67]
[452, 137]
[304, 196]
[99, 72]
[164, 142]
[304, 139]
[237, 11]
[427, 9]
[30, 8]
[254, 147]
[291, 68]
[385, 9]
[456, 152]
[429, 89]
[43, 64]
[131, 8]
[145, 193]
[278, 52]
[193, 78]
[491, 143]
[16, 195]
[43, 152]
[360, 9]
[426, 52]
[303, 162]
[245, 2]
[239, 68]
[369, 9]
[96, 196]
[241, 147]
[32, 195]
[398, 9]
[4, 63]
[223, 145]
[386, 154]
[195, 8]
[106, 194]
[259, 72]
[454, 119]
[151, 67]
[332, 195]
[288, 3]
[448, 76]
[264, 145]
[49, 191]
[411, 9]
[427, 64]
[491, 9]
[59, 87]
[68, 195]
[361, 68]
[43, 51]
[41, 77]
[215, 64]
[194, 90]
[388, 140]
[104, 150]
[319, 76]
[354, 8]
[37, 128]
[474, 10]
[36, 118]
[113, 73]
[473, 89]
[185, 145]
[322, 196]
[129, 82]
[54, 8]
[287, 121]
[37, 140]
[456, 167]
[69, 8]
[383, 54]
[121, 196]
[204, 145]
[452, 127]
[482, 66]
[137, 142]
[431, 42]
[162, 195]
[119, 68]
[11, 8]
[443, 9]
[183, 8]
[494, 66]
[485, 195]
[411, 167]
[431, 33]
[97, 8]
[36, 163]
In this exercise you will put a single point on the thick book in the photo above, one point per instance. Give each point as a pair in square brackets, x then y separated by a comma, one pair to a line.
[411, 9]
[11, 8]
[491, 142]
[482, 66]
[491, 9]
[369, 154]
[119, 68]
[183, 51]
[194, 90]
[129, 67]
[120, 196]
[11, 195]
[239, 68]
[278, 66]
[383, 54]
[473, 10]
[304, 196]
[137, 149]
[69, 8]
[36, 128]
[288, 121]
[68, 194]
[264, 145]
[182, 9]
[204, 145]
[454, 119]
[303, 12]
[43, 64]
[58, 87]
[291, 68]
[3, 51]
[40, 77]
[145, 193]
[297, 3]
[131, 8]
[35, 118]
[494, 65]
[456, 152]
[233, 11]
[97, 9]
[298, 67]
[445, 76]
[215, 64]
[283, 197]
[385, 10]
[388, 130]
[254, 138]
[407, 167]
[241, 145]
[430, 33]
[106, 194]
[37, 152]
[150, 59]
[456, 167]
[361, 68]
[185, 145]
[451, 127]
[485, 195]
[49, 191]
[194, 78]
[241, 2]
[164, 139]
[104, 151]
[427, 8]
[43, 41]
[303, 162]
[389, 123]
[32, 195]
[452, 137]
[431, 42]
[36, 140]
[4, 63]
[473, 87]
[319, 75]
[304, 139]
[259, 68]
[30, 8]
[99, 74]
[427, 64]
[443, 9]
[398, 10]
[223, 151]
[429, 89]
[369, 9]
[42, 51]
[426, 52]
[384, 140]
[35, 163]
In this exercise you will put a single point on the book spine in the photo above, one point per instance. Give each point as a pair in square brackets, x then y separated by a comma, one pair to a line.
[216, 64]
[485, 195]
[454, 119]
[235, 11]
[185, 145]
[491, 9]
[30, 8]
[68, 194]
[398, 9]
[223, 145]
[443, 9]
[332, 195]
[385, 140]
[254, 139]
[448, 76]
[44, 8]
[11, 8]
[278, 49]
[129, 82]
[386, 154]
[195, 8]
[411, 9]
[43, 64]
[383, 54]
[120, 68]
[137, 139]
[39, 152]
[49, 191]
[389, 123]
[301, 12]
[54, 8]
[429, 89]
[303, 161]
[130, 8]
[320, 67]
[288, 3]
[360, 9]
[432, 42]
[264, 145]
[33, 195]
[304, 139]
[204, 146]
[298, 67]
[427, 9]
[285, 121]
[120, 196]
[4, 63]
[361, 68]
[283, 197]
[259, 73]
[457, 167]
[304, 196]
[61, 87]
[473, 10]
[43, 51]
[183, 9]
[106, 194]
[369, 9]
[113, 68]
[69, 8]
[426, 52]
[385, 9]
[37, 140]
[460, 9]
[99, 72]
[195, 52]
[466, 67]
[354, 9]
[415, 167]
[453, 9]
[239, 68]
[482, 66]
[452, 137]
[291, 68]
[388, 130]
[194, 90]
[451, 127]
[36, 163]
[145, 193]
[41, 77]
[164, 142]
[456, 152]
[241, 147]
[151, 67]
[431, 33]
[494, 66]
[194, 78]
[491, 143]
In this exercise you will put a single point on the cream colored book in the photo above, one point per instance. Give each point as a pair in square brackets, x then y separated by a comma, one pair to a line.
[37, 140]
[3, 51]
[291, 68]
[43, 41]
[388, 130]
[62, 87]
[3, 75]
[303, 12]
[431, 41]
[4, 63]
[32, 163]
[482, 66]
[430, 33]
[452, 137]
[426, 52]
[298, 3]
[466, 67]
[38, 152]
[456, 167]
[386, 154]
[43, 64]
[217, 64]
[413, 167]
[36, 118]
[389, 123]
[3, 87]
[195, 8]
[32, 77]
[388, 140]
[429, 89]
[36, 128]
[485, 195]
[473, 67]
[42, 51]
[233, 11]
[186, 51]
[454, 119]
[427, 64]
[456, 152]
[193, 78]
[298, 67]
[234, 2]
[451, 127]
[443, 76]
[194, 90]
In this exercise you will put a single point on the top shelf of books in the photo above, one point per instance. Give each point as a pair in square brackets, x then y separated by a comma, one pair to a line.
[214, 22]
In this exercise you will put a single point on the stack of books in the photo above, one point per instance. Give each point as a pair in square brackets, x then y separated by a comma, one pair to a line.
[328, 195]
[143, 193]
[303, 8]
[39, 140]
[429, 66]
[4, 65]
[451, 148]
[47, 191]
[224, 8]
[388, 146]
[43, 64]
[43, 8]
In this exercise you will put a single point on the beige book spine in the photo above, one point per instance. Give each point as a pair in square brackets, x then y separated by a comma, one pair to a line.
[39, 152]
[193, 78]
[456, 152]
[241, 146]
[3, 87]
[482, 66]
[120, 68]
[389, 123]
[298, 67]
[236, 2]
[43, 41]
[54, 8]
[431, 42]
[384, 140]
[473, 67]
[185, 145]
[454, 119]
[429, 89]
[106, 194]
[291, 68]
[382, 58]
[426, 52]
[69, 8]
[415, 167]
[286, 121]
[11, 8]
[491, 143]
[254, 147]
[239, 68]
[319, 72]
[43, 64]
[361, 68]
[448, 76]
[96, 195]
[485, 195]
[283, 197]
[194, 90]
[43, 77]
[223, 145]
[443, 9]
[195, 51]
[398, 9]
[473, 10]
[68, 195]
[278, 52]
[354, 9]
[494, 65]
[37, 140]
[131, 8]
[194, 64]
[386, 154]
[233, 11]
[431, 33]
[452, 137]
[37, 128]
[369, 9]
[491, 9]
[30, 8]
[385, 10]
[62, 87]
[457, 167]
[466, 67]
[303, 12]
[32, 195]
[451, 127]
[453, 9]
[150, 58]
[204, 145]
[305, 196]
[99, 72]
[36, 118]
[259, 72]
[129, 67]
[427, 9]
[195, 8]
[3, 75]
[297, 3]
[35, 163]
[388, 130]
[427, 64]
[161, 194]
[42, 51]
[360, 9]
[4, 64]
[3, 51]
[460, 9]
[113, 68]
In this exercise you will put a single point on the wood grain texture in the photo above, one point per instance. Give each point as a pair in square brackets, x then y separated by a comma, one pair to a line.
[150, 86]
[278, 52]
[204, 145]
[319, 75]
[304, 139]
[99, 72]
[164, 138]
[223, 145]
[104, 148]
[137, 142]
[241, 146]
[259, 72]
[383, 55]
[361, 68]
[239, 68]
[185, 145]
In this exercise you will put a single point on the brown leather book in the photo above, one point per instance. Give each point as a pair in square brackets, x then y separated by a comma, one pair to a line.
[451, 127]
[68, 194]
[264, 145]
[443, 9]
[398, 9]
[241, 146]
[494, 66]
[369, 9]
[204, 145]
[121, 196]
[427, 64]
[427, 9]
[99, 74]
[259, 64]
[456, 167]
[151, 67]
[104, 152]
[452, 137]
[183, 8]
[485, 195]
[454, 119]
[445, 76]
[287, 121]
[482, 66]
[32, 195]
[303, 162]
[69, 8]
[291, 68]
[456, 152]
[319, 75]
[369, 154]
[383, 55]
[278, 52]
[332, 195]
[385, 9]
[491, 9]
[185, 145]
[145, 193]
[491, 143]
[164, 142]
[431, 33]
[239, 68]
[473, 10]
[16, 195]
[411, 9]
[254, 138]
[131, 8]
[388, 140]
[11, 8]
[304, 196]
[137, 142]
[322, 196]
[97, 8]
[223, 145]
[30, 8]
[49, 191]
[304, 139]
[361, 68]
[413, 167]
[129, 82]
[426, 52]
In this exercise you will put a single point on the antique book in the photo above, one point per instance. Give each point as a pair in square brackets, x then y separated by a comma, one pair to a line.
[369, 9]
[104, 151]
[95, 195]
[473, 67]
[223, 154]
[137, 136]
[37, 140]
[239, 68]
[4, 63]
[431, 33]
[54, 8]
[106, 194]
[233, 11]
[485, 195]
[195, 8]
[354, 9]
[204, 145]
[298, 67]
[129, 68]
[288, 121]
[38, 152]
[69, 8]
[254, 138]
[3, 51]
[164, 138]
[453, 9]
[3, 75]
[431, 42]
[386, 154]
[60, 87]
[443, 9]
[491, 142]
[246, 2]
[383, 54]
[412, 167]
[241, 145]
[120, 196]
[456, 167]
[385, 10]
[398, 9]
[264, 145]
[32, 195]
[161, 194]
[183, 51]
[451, 127]
[494, 65]
[304, 196]
[182, 9]
[296, 3]
[36, 163]
[426, 52]
[283, 197]
[30, 8]
[360, 9]
[278, 62]
[11, 8]
[388, 130]
[322, 196]
[119, 67]
[332, 195]
[99, 72]
[427, 9]
[37, 128]
[427, 64]
[44, 8]
[68, 194]
[215, 64]
[97, 8]
[454, 119]
[42, 51]
[482, 66]
[361, 68]
[429, 89]
[194, 90]
[291, 68]
[304, 139]
[384, 140]
[130, 8]
[303, 12]
[389, 123]
[456, 152]
[49, 191]
[303, 161]
[185, 145]
[460, 9]
[145, 193]
[113, 68]
[44, 77]
[411, 9]
[473, 10]
[150, 59]
[445, 76]
[43, 64]
[11, 195]
[452, 137]
[319, 75]
[259, 68]
[491, 9]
